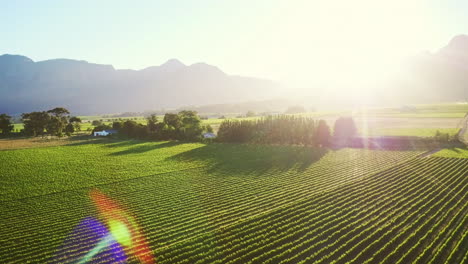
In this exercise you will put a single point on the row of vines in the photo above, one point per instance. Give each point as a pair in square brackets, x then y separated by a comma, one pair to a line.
[351, 206]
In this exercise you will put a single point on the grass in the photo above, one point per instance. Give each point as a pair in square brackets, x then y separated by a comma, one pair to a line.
[448, 107]
[49, 185]
[449, 110]
[424, 115]
[21, 143]
[453, 153]
[86, 118]
[54, 169]
[418, 132]
[222, 203]
[230, 203]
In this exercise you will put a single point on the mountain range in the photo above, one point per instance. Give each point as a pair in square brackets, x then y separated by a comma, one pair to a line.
[88, 88]
[441, 76]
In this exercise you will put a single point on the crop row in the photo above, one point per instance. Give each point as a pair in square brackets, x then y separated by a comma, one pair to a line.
[296, 211]
[429, 202]
[211, 210]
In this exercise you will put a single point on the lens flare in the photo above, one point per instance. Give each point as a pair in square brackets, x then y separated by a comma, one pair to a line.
[105, 242]
[90, 240]
[120, 232]
[115, 240]
[123, 227]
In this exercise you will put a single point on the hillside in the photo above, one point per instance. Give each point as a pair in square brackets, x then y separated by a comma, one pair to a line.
[440, 76]
[87, 88]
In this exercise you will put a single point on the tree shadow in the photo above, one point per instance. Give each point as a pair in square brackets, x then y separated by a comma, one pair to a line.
[109, 142]
[141, 148]
[245, 158]
[128, 146]
[89, 140]
[252, 159]
[124, 143]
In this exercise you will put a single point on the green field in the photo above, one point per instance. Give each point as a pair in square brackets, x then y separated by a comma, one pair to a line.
[386, 121]
[417, 132]
[18, 127]
[424, 115]
[229, 203]
[452, 110]
[453, 153]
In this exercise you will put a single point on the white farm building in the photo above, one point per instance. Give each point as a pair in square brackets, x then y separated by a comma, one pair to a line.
[104, 133]
[209, 135]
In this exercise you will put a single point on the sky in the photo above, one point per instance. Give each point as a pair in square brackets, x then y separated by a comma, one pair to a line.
[302, 43]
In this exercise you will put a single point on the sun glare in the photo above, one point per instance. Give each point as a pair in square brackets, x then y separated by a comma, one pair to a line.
[359, 44]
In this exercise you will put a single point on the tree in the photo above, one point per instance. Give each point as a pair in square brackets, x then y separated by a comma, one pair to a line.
[141, 131]
[69, 129]
[441, 137]
[58, 120]
[295, 109]
[96, 123]
[166, 132]
[344, 129]
[75, 119]
[59, 112]
[54, 126]
[152, 121]
[190, 125]
[208, 128]
[130, 128]
[76, 123]
[323, 134]
[284, 129]
[5, 124]
[35, 122]
[172, 120]
[250, 114]
[117, 125]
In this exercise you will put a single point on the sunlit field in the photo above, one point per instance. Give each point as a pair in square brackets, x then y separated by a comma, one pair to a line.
[422, 120]
[453, 153]
[231, 203]
[234, 132]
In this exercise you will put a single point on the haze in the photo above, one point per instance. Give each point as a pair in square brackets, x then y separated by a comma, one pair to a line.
[347, 47]
[282, 40]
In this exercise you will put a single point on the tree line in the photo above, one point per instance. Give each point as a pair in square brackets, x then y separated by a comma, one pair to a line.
[56, 122]
[286, 129]
[185, 125]
[6, 127]
[275, 130]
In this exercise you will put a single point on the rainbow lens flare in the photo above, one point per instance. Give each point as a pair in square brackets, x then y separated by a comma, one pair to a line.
[117, 240]
[90, 240]
[123, 227]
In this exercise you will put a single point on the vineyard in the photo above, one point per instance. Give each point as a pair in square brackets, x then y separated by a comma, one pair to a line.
[230, 203]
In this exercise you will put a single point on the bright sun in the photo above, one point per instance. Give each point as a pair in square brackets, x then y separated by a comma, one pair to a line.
[335, 43]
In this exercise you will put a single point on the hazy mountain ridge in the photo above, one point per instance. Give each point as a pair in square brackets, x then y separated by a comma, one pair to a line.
[85, 87]
[441, 76]
[88, 88]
